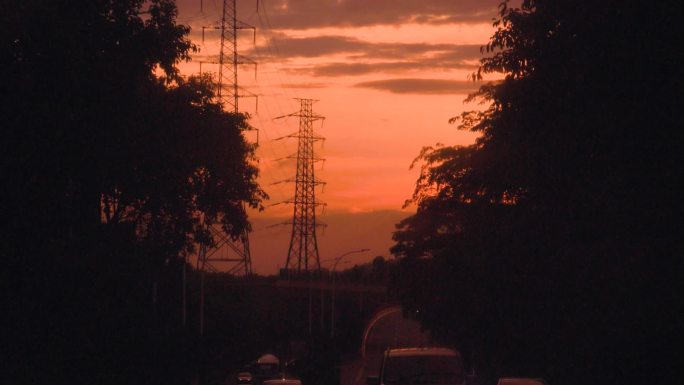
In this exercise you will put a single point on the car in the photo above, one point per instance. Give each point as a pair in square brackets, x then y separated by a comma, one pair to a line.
[244, 378]
[521, 381]
[267, 367]
[412, 366]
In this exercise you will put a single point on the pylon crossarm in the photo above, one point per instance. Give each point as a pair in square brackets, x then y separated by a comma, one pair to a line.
[226, 260]
[247, 94]
[311, 118]
[303, 201]
[242, 25]
[285, 137]
[289, 157]
[298, 136]
[285, 116]
[283, 181]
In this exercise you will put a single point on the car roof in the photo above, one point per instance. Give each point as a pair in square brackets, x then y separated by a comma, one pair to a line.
[268, 359]
[521, 381]
[284, 381]
[403, 352]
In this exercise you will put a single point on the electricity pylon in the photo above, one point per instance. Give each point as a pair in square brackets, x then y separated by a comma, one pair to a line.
[227, 93]
[303, 254]
[229, 60]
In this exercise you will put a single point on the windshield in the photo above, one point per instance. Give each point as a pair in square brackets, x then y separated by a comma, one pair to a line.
[422, 370]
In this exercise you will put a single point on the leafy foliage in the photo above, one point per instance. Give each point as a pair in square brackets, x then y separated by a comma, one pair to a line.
[110, 160]
[91, 127]
[197, 169]
[558, 221]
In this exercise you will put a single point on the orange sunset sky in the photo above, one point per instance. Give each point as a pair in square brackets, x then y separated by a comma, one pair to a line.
[387, 74]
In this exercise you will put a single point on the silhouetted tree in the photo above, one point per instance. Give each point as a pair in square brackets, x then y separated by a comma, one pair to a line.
[108, 156]
[76, 71]
[380, 270]
[193, 159]
[550, 241]
[95, 136]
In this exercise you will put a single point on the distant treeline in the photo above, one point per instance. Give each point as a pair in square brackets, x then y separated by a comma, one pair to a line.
[552, 247]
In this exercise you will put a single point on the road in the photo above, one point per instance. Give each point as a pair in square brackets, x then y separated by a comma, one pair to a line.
[387, 329]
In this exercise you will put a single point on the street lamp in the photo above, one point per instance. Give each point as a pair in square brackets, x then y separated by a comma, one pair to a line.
[332, 299]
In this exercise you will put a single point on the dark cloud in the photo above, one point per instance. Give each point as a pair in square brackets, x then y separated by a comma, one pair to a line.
[354, 69]
[351, 69]
[360, 57]
[210, 59]
[422, 86]
[317, 46]
[330, 44]
[400, 50]
[305, 85]
[338, 55]
[305, 14]
[363, 57]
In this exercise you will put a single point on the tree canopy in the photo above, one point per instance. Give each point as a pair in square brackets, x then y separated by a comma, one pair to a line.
[97, 138]
[557, 225]
[111, 162]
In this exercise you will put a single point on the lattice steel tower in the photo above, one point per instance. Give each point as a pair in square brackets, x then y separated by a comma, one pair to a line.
[302, 254]
[228, 92]
[229, 60]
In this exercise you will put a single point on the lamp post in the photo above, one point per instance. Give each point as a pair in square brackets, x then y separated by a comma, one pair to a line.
[332, 299]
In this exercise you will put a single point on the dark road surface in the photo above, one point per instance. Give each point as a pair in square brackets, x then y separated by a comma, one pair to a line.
[388, 329]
